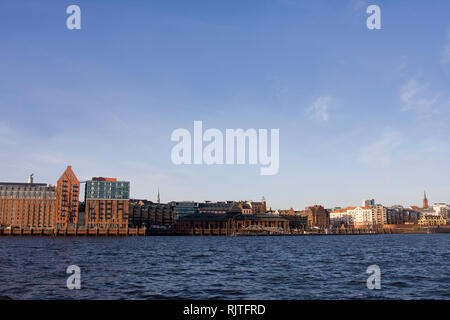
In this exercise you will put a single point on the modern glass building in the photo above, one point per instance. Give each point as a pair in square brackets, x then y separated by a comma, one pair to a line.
[107, 188]
[106, 205]
[184, 208]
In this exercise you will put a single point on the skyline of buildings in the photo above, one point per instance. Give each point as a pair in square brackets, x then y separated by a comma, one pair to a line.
[104, 188]
[107, 205]
[129, 195]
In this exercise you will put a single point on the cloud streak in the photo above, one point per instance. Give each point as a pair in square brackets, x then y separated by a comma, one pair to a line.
[319, 109]
[418, 98]
[379, 153]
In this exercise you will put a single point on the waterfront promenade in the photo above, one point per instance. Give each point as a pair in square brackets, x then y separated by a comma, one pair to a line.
[388, 229]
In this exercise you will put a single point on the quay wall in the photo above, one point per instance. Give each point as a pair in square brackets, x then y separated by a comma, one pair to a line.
[71, 232]
[387, 229]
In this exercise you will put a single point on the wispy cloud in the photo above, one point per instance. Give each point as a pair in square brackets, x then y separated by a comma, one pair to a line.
[419, 98]
[379, 152]
[357, 5]
[319, 109]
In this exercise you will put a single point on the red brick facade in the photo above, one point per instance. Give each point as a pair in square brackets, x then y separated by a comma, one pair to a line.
[31, 212]
[107, 213]
[67, 199]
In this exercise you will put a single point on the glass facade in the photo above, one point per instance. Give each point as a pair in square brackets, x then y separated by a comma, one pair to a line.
[107, 189]
[184, 208]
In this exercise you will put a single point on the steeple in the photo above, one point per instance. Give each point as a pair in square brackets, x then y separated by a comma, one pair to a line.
[425, 201]
[157, 198]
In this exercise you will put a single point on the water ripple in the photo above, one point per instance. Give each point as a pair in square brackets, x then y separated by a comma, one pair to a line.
[304, 267]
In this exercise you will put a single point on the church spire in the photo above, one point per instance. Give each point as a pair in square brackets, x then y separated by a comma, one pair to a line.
[425, 200]
[157, 198]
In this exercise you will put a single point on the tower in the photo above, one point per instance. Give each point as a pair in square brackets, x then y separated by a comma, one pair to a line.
[158, 200]
[67, 196]
[425, 201]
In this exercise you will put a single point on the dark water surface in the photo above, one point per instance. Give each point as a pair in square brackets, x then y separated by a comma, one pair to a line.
[302, 267]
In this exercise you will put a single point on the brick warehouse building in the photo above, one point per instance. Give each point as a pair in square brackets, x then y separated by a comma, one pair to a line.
[230, 224]
[67, 199]
[27, 205]
[107, 203]
[317, 217]
[38, 205]
[144, 213]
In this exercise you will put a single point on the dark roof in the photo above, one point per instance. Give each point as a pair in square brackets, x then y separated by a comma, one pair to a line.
[206, 216]
[23, 184]
[261, 217]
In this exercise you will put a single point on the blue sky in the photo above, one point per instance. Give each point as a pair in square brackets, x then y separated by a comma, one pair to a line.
[361, 113]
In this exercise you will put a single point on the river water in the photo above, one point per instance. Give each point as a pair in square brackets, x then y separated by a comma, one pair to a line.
[271, 267]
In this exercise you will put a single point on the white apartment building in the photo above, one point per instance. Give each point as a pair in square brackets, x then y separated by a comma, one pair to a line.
[341, 217]
[354, 216]
[379, 215]
[362, 216]
[441, 209]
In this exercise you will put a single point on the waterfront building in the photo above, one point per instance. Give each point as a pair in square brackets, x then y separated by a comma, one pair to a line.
[107, 203]
[256, 207]
[209, 207]
[231, 224]
[246, 209]
[441, 209]
[317, 217]
[297, 222]
[379, 215]
[184, 208]
[290, 212]
[67, 199]
[432, 220]
[107, 188]
[341, 218]
[220, 224]
[354, 217]
[144, 213]
[362, 216]
[399, 215]
[27, 204]
[394, 215]
[262, 222]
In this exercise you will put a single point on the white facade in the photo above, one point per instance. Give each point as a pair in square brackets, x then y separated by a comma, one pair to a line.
[353, 216]
[441, 209]
[362, 216]
[340, 217]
